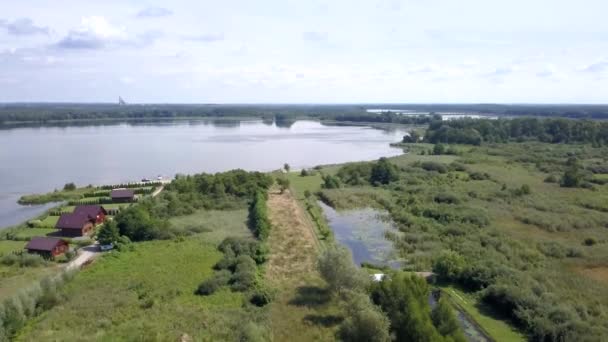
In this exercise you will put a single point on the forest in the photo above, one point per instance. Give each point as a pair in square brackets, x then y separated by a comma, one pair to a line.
[550, 130]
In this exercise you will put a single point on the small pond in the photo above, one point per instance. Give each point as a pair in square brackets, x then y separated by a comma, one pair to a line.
[362, 231]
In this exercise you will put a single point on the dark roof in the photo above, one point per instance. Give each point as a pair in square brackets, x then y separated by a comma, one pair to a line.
[81, 215]
[73, 221]
[43, 243]
[90, 210]
[122, 193]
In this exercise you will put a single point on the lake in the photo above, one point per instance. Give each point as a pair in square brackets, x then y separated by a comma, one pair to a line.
[43, 158]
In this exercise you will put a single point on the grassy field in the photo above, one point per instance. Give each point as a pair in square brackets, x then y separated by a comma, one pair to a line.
[148, 293]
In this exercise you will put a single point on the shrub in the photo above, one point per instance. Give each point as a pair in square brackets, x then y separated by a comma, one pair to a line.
[551, 179]
[336, 267]
[449, 265]
[438, 149]
[245, 272]
[383, 172]
[330, 182]
[304, 173]
[446, 198]
[479, 176]
[434, 166]
[261, 297]
[364, 321]
[589, 241]
[212, 284]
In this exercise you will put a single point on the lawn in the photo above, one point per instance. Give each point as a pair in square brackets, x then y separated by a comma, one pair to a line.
[49, 221]
[27, 233]
[148, 293]
[9, 246]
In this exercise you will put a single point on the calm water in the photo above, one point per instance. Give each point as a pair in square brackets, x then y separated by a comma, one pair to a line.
[40, 159]
[362, 232]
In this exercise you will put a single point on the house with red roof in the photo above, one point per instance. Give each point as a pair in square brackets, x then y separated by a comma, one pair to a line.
[47, 246]
[82, 221]
[122, 195]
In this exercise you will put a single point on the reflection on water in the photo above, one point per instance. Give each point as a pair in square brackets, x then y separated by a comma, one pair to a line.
[362, 231]
[36, 159]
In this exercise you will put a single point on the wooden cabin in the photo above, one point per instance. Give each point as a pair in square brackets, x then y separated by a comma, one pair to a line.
[47, 246]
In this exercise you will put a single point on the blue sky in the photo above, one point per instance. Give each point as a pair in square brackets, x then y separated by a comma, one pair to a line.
[533, 51]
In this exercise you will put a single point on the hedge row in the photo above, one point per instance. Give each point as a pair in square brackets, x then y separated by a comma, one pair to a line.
[258, 216]
[130, 185]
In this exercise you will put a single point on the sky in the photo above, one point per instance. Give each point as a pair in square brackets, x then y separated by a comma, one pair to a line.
[284, 51]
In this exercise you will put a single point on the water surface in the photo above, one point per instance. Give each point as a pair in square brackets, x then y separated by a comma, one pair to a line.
[362, 231]
[40, 159]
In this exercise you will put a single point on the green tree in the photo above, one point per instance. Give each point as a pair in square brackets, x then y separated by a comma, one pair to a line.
[364, 321]
[69, 187]
[449, 265]
[108, 234]
[336, 267]
[445, 321]
[438, 149]
[331, 182]
[404, 299]
[286, 167]
[383, 172]
[572, 176]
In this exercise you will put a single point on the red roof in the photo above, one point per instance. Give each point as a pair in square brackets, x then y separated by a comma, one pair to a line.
[122, 193]
[81, 215]
[73, 221]
[90, 210]
[43, 243]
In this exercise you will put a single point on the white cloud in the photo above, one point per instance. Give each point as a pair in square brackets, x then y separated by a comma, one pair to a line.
[23, 27]
[597, 67]
[96, 32]
[127, 80]
[154, 12]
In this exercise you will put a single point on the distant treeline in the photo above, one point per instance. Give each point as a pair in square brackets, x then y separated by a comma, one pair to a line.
[44, 112]
[41, 113]
[575, 111]
[558, 130]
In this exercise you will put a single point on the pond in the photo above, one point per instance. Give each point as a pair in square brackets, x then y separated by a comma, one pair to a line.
[362, 231]
[42, 158]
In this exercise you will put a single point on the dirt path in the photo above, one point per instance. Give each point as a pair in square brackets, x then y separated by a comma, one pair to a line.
[294, 246]
[301, 311]
[84, 255]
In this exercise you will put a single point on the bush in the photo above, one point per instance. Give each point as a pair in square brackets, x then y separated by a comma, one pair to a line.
[261, 297]
[304, 173]
[383, 172]
[245, 273]
[479, 176]
[330, 182]
[449, 265]
[434, 166]
[212, 284]
[589, 241]
[336, 267]
[551, 179]
[364, 321]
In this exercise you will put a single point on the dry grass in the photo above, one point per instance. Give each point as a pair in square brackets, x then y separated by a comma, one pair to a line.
[301, 311]
[599, 274]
